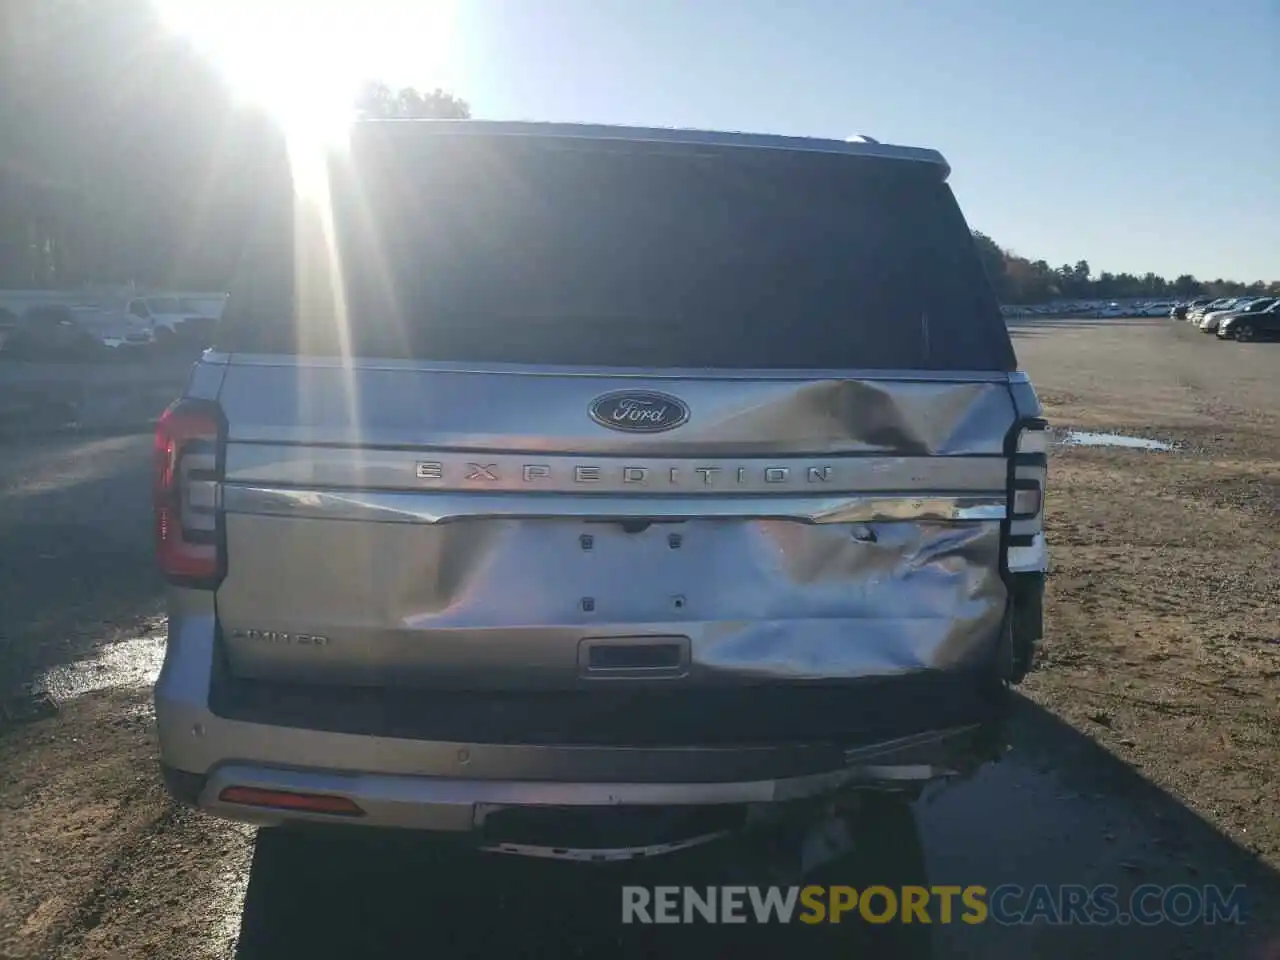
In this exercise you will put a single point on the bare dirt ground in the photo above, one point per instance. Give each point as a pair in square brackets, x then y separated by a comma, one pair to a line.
[1164, 601]
[1145, 748]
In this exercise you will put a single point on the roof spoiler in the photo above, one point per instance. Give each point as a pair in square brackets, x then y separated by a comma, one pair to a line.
[861, 146]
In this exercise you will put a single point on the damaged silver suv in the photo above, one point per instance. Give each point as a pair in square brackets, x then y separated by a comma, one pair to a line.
[543, 474]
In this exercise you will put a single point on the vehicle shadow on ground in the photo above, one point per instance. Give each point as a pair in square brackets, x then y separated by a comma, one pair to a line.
[1036, 816]
[410, 896]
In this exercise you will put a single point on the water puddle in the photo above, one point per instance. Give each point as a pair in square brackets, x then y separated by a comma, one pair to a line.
[1083, 438]
[129, 663]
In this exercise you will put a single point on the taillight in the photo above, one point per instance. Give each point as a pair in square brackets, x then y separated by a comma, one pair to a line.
[187, 493]
[291, 800]
[1028, 470]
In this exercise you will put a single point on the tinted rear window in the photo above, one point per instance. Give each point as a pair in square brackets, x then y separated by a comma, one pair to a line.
[529, 250]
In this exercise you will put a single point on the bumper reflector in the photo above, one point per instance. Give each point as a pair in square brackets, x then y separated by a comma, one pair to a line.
[286, 800]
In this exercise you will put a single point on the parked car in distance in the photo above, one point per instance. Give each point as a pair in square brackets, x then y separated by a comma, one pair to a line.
[1252, 325]
[530, 538]
[1195, 313]
[171, 318]
[113, 329]
[1211, 320]
[1208, 323]
[1222, 303]
[50, 332]
[1180, 310]
[208, 305]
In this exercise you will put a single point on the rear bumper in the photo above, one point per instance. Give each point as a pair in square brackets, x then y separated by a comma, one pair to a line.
[399, 777]
[460, 804]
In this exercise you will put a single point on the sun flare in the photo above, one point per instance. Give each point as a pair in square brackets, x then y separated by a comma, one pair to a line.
[304, 60]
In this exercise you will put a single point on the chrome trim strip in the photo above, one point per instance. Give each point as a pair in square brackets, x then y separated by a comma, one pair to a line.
[647, 373]
[536, 472]
[431, 507]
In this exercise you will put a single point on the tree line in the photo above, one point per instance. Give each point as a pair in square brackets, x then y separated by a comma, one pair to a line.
[1021, 281]
[124, 158]
[123, 155]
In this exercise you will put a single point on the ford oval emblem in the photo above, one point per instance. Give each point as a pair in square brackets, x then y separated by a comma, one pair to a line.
[639, 411]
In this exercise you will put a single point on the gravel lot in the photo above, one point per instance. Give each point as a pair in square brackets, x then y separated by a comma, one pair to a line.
[1144, 750]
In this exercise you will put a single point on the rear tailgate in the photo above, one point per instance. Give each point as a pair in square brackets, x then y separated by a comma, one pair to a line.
[560, 411]
[409, 526]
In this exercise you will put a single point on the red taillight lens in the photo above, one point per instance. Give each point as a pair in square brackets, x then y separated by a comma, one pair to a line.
[289, 800]
[186, 488]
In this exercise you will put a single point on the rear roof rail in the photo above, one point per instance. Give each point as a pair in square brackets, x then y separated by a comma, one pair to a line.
[859, 146]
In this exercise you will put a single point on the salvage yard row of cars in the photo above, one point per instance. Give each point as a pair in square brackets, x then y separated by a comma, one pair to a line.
[1092, 308]
[60, 330]
[1245, 319]
[1233, 318]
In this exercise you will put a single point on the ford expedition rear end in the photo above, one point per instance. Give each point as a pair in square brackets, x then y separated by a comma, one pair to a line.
[542, 468]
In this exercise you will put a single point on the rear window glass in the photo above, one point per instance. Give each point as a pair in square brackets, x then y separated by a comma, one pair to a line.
[545, 251]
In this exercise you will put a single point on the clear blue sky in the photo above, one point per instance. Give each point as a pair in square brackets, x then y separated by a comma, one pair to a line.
[1138, 134]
